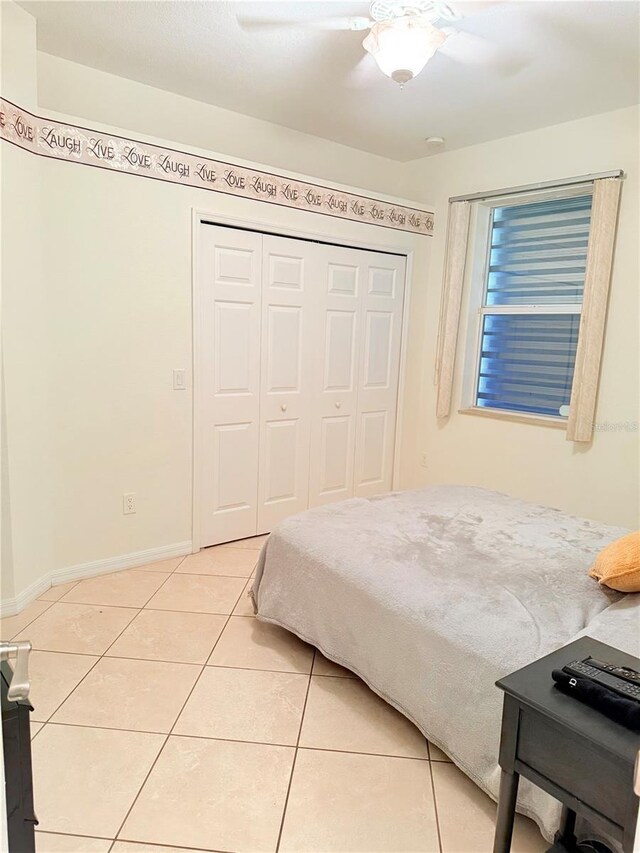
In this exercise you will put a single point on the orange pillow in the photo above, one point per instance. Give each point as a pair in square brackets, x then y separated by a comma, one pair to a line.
[618, 565]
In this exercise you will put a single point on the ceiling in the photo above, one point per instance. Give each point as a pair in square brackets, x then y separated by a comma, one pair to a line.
[538, 63]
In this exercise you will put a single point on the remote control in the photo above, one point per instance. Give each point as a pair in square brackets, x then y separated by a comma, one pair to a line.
[621, 671]
[626, 687]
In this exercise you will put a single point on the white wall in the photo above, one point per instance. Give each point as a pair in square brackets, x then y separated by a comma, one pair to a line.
[26, 457]
[96, 96]
[601, 480]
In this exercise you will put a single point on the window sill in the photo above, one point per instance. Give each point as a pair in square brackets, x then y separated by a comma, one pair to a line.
[504, 415]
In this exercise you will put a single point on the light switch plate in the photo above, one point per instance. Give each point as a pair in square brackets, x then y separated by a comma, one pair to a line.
[179, 380]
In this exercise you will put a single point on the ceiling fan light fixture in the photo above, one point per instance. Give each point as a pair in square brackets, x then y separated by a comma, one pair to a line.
[403, 46]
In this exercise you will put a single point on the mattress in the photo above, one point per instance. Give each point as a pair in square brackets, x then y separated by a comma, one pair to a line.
[432, 595]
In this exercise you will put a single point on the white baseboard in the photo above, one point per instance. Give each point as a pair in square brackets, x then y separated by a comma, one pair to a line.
[11, 606]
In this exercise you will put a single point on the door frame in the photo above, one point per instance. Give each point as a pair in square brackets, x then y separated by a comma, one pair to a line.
[200, 217]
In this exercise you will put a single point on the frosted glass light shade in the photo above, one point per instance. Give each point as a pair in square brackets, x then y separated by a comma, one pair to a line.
[403, 46]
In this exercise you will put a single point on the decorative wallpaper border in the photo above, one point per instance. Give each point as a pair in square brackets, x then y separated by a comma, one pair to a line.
[75, 144]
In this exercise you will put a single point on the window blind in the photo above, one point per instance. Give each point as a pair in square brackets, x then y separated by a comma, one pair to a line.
[538, 252]
[537, 262]
[527, 362]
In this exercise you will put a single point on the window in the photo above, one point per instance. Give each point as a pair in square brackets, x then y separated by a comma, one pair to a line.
[537, 273]
[529, 316]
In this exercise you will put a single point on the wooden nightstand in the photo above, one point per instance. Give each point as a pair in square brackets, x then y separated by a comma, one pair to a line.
[568, 749]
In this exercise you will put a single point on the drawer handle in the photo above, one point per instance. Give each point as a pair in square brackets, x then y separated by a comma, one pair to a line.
[284, 407]
[20, 686]
[337, 405]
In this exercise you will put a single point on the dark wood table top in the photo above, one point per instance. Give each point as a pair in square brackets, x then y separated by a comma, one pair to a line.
[532, 685]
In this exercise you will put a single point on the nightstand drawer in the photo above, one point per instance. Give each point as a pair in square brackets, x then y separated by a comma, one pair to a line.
[595, 777]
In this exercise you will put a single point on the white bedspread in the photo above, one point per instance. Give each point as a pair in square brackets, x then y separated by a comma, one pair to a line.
[432, 595]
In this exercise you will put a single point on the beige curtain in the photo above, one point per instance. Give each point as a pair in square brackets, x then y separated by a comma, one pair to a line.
[455, 258]
[604, 216]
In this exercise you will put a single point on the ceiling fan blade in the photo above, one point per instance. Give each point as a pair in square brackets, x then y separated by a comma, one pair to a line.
[469, 8]
[330, 24]
[470, 49]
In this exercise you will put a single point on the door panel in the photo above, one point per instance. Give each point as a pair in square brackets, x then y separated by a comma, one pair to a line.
[233, 486]
[284, 339]
[378, 371]
[340, 350]
[233, 328]
[371, 452]
[336, 458]
[280, 462]
[334, 403]
[288, 344]
[230, 282]
[377, 349]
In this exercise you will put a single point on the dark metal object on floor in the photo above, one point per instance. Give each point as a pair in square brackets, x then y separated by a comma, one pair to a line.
[16, 742]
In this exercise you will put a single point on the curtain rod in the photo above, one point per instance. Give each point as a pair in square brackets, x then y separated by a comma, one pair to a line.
[544, 185]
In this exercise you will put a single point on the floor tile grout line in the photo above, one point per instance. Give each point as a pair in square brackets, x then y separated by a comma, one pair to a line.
[72, 834]
[220, 666]
[204, 665]
[237, 740]
[166, 740]
[144, 782]
[196, 612]
[53, 600]
[295, 754]
[73, 690]
[435, 800]
[100, 657]
[35, 618]
[126, 841]
[169, 576]
[132, 606]
[210, 575]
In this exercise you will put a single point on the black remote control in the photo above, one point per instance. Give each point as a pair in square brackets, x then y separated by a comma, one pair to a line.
[623, 685]
[621, 671]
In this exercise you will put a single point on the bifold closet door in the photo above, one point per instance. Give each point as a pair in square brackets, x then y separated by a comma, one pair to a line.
[354, 404]
[230, 280]
[334, 403]
[378, 372]
[290, 278]
[299, 349]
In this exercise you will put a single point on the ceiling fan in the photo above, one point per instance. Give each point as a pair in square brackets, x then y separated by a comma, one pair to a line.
[402, 35]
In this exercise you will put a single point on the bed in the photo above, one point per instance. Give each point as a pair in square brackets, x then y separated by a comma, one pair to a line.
[432, 595]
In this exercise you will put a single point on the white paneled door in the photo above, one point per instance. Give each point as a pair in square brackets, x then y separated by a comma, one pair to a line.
[229, 421]
[378, 372]
[335, 400]
[298, 356]
[354, 406]
[289, 285]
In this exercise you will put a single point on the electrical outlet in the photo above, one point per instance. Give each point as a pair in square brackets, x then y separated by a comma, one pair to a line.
[423, 460]
[129, 503]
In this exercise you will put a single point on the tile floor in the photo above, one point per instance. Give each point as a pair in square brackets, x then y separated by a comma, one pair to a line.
[167, 719]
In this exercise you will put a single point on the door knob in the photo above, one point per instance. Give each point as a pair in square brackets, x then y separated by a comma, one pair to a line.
[337, 405]
[284, 407]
